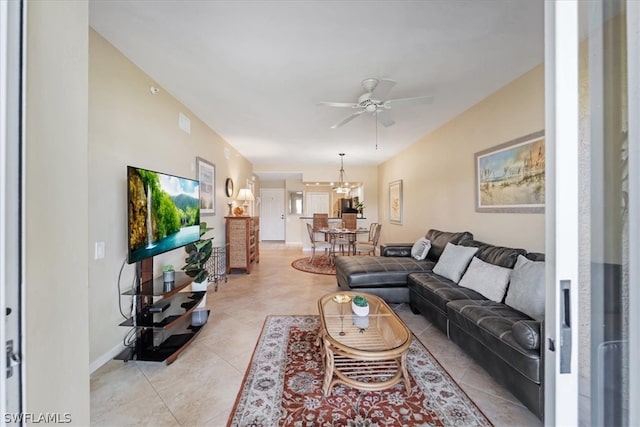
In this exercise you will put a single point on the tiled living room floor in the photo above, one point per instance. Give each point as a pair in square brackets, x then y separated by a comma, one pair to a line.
[201, 386]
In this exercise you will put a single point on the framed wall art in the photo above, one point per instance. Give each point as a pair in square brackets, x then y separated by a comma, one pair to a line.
[511, 176]
[395, 202]
[206, 174]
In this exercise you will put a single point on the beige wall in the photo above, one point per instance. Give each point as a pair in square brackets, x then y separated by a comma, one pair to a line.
[438, 171]
[56, 332]
[130, 126]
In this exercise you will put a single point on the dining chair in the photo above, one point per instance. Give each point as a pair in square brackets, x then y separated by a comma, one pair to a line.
[370, 246]
[317, 244]
[349, 222]
[320, 221]
[372, 231]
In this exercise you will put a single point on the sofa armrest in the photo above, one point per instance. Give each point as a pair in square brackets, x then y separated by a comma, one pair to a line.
[396, 249]
[527, 334]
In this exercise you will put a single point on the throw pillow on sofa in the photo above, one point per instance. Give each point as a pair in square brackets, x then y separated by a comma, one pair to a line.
[485, 278]
[454, 261]
[527, 289]
[420, 248]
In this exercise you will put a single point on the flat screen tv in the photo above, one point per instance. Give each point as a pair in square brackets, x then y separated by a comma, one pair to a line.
[164, 212]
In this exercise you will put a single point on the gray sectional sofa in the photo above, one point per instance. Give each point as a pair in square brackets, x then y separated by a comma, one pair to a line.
[493, 310]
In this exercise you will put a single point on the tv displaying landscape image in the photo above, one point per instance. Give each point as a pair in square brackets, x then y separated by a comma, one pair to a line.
[164, 212]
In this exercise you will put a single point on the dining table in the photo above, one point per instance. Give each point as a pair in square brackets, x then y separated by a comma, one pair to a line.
[333, 234]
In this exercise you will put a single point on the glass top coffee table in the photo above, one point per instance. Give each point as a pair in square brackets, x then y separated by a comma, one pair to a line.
[365, 352]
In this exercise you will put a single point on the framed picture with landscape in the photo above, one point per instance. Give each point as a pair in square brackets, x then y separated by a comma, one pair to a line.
[206, 173]
[395, 202]
[511, 176]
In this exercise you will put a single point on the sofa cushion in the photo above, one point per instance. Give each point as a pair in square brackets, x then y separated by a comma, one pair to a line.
[527, 289]
[439, 290]
[375, 271]
[496, 255]
[420, 248]
[488, 279]
[527, 334]
[491, 324]
[454, 261]
[439, 240]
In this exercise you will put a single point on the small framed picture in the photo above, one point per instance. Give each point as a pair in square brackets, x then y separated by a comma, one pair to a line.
[206, 174]
[395, 202]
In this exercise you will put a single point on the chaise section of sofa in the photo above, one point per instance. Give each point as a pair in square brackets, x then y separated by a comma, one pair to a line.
[387, 275]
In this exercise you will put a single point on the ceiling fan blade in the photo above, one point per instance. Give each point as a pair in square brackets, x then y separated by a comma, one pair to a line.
[384, 117]
[348, 119]
[409, 102]
[382, 89]
[339, 104]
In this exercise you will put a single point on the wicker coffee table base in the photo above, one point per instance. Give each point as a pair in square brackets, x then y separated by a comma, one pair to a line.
[376, 372]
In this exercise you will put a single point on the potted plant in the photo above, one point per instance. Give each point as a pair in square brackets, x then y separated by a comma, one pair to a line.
[359, 206]
[197, 255]
[360, 306]
[168, 273]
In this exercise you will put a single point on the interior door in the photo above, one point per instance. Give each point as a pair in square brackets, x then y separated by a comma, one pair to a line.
[11, 30]
[272, 208]
[592, 212]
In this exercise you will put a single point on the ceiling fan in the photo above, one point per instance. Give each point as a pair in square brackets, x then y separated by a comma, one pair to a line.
[373, 101]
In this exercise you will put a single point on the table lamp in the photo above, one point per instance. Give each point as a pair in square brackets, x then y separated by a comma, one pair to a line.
[246, 196]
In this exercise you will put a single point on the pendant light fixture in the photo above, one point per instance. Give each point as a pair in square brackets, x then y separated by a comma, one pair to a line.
[342, 187]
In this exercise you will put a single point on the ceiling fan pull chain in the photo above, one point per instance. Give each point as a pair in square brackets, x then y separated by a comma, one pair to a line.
[376, 129]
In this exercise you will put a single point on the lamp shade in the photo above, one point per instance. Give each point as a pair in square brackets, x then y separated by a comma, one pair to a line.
[245, 194]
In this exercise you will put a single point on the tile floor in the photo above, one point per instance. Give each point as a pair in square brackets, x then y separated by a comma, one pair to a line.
[201, 386]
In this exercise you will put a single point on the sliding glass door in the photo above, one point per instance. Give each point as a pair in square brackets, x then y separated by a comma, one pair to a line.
[592, 216]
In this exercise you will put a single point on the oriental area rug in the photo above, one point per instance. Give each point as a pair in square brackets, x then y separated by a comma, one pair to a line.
[320, 265]
[283, 387]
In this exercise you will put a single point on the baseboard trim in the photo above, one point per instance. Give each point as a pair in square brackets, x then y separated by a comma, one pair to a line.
[96, 364]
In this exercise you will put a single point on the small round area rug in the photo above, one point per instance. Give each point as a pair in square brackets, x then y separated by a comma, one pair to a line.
[320, 265]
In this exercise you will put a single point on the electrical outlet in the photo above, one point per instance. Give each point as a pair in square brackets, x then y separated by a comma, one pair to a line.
[99, 252]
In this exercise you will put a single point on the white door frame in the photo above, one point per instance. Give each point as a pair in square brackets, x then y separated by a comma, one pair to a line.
[12, 24]
[561, 117]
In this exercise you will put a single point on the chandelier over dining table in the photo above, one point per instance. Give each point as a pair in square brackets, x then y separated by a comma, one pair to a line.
[342, 187]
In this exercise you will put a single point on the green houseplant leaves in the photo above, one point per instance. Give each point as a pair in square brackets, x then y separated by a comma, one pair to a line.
[197, 255]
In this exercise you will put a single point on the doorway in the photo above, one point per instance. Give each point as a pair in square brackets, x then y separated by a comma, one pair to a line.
[272, 218]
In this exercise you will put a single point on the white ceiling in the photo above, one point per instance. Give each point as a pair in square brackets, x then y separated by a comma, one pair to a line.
[254, 71]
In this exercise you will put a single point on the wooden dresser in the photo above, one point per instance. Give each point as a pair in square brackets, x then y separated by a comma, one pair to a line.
[243, 240]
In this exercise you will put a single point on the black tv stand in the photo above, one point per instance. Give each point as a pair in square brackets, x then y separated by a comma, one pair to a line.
[162, 318]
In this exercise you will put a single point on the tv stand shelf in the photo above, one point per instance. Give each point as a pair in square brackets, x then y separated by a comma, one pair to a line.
[155, 287]
[178, 305]
[164, 318]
